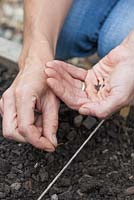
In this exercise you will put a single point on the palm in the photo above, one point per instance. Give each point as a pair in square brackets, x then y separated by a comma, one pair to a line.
[109, 84]
[113, 76]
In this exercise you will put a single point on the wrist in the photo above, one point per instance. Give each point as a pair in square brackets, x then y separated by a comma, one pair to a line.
[36, 52]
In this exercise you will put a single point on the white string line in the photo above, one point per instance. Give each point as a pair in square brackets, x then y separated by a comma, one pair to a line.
[69, 162]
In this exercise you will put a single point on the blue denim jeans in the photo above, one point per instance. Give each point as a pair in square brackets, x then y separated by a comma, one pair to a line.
[94, 25]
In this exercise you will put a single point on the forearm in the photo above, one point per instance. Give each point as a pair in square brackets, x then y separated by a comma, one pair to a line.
[43, 20]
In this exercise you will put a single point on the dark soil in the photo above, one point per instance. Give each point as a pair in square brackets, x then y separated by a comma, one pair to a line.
[104, 170]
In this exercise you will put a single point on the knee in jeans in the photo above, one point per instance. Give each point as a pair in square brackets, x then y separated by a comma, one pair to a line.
[109, 38]
[73, 43]
[65, 43]
[107, 41]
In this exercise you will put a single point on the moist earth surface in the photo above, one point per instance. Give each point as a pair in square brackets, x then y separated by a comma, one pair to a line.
[104, 169]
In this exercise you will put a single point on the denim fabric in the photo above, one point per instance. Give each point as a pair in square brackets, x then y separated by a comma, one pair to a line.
[116, 27]
[94, 25]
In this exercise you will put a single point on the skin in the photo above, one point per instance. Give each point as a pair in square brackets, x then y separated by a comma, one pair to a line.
[115, 72]
[29, 91]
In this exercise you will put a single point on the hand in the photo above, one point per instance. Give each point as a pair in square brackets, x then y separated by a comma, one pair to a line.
[115, 73]
[29, 92]
[109, 84]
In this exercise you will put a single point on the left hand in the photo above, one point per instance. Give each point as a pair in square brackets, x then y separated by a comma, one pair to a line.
[113, 75]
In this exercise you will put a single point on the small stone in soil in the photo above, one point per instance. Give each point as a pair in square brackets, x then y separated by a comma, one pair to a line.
[78, 120]
[129, 191]
[20, 166]
[132, 155]
[28, 185]
[43, 175]
[71, 135]
[7, 189]
[65, 195]
[4, 166]
[89, 122]
[54, 197]
[65, 182]
[2, 195]
[88, 183]
[16, 186]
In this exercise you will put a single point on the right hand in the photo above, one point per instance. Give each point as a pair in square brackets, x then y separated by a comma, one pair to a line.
[28, 92]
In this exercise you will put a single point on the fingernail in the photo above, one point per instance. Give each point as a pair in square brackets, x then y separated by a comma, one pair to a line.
[49, 150]
[54, 140]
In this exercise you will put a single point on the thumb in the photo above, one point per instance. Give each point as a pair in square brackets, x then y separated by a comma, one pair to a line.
[103, 108]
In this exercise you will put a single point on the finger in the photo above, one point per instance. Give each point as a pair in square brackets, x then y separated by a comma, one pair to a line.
[75, 72]
[51, 73]
[25, 115]
[39, 123]
[73, 97]
[65, 75]
[64, 89]
[10, 130]
[64, 83]
[1, 107]
[50, 117]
